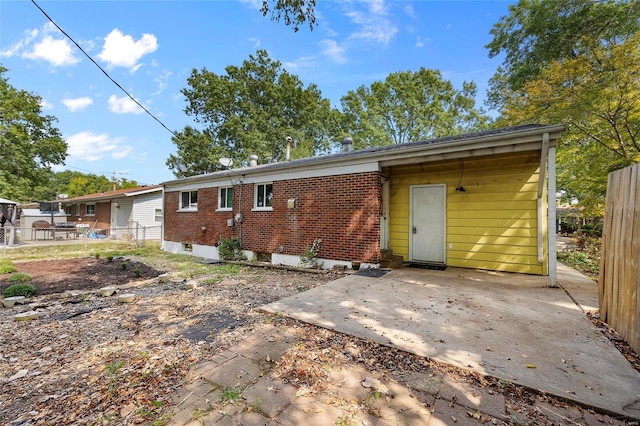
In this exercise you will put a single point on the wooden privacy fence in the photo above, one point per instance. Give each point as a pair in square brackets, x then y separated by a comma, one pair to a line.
[619, 278]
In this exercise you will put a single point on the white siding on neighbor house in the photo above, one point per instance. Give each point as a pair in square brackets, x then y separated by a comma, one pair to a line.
[120, 214]
[144, 213]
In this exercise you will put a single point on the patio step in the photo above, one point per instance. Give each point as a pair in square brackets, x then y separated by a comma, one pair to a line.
[389, 260]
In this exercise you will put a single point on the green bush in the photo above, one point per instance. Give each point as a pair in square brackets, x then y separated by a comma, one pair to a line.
[230, 249]
[19, 277]
[25, 290]
[6, 267]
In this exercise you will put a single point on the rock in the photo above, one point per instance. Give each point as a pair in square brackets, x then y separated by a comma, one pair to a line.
[191, 285]
[8, 302]
[164, 278]
[126, 298]
[107, 291]
[26, 316]
[19, 375]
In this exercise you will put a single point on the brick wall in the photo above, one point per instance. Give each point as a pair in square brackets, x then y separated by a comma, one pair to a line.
[343, 211]
[102, 216]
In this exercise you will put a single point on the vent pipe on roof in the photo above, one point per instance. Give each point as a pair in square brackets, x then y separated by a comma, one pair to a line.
[253, 160]
[347, 144]
[288, 154]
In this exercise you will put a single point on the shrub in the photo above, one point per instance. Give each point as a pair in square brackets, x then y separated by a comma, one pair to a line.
[230, 249]
[25, 290]
[19, 277]
[6, 267]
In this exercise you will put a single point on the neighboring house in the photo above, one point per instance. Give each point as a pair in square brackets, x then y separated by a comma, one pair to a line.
[123, 213]
[476, 200]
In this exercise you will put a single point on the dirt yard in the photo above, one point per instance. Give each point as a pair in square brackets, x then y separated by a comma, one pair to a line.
[91, 360]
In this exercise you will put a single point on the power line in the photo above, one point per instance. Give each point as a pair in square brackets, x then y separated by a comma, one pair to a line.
[103, 71]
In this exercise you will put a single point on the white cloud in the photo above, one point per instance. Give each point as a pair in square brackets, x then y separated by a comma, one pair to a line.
[300, 63]
[374, 24]
[88, 146]
[121, 50]
[332, 50]
[255, 41]
[45, 105]
[420, 42]
[123, 105]
[18, 46]
[162, 81]
[77, 104]
[46, 44]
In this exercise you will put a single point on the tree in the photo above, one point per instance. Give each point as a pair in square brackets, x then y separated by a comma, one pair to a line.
[537, 32]
[75, 183]
[598, 95]
[575, 62]
[408, 107]
[292, 12]
[251, 110]
[29, 142]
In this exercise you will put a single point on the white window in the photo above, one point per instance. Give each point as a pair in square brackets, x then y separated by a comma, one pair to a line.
[90, 210]
[264, 196]
[225, 198]
[189, 200]
[158, 215]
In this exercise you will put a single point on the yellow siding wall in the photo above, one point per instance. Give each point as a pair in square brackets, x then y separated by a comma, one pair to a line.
[492, 225]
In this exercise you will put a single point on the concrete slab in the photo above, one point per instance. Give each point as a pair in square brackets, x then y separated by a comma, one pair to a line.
[509, 326]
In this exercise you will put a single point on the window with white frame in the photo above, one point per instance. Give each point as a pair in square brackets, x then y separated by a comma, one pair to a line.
[225, 198]
[90, 210]
[189, 200]
[263, 196]
[158, 215]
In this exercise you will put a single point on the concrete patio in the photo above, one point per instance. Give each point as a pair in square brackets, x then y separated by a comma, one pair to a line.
[509, 326]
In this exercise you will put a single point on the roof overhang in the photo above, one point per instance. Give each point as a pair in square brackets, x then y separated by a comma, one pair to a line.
[498, 141]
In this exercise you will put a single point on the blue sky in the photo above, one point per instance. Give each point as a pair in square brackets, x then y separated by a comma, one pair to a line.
[150, 47]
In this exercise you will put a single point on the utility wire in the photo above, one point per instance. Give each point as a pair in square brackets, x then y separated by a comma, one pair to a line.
[103, 71]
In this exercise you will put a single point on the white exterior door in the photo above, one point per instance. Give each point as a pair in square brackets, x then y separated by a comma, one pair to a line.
[427, 224]
[114, 218]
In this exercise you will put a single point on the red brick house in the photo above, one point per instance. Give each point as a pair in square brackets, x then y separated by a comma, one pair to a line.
[477, 200]
[115, 213]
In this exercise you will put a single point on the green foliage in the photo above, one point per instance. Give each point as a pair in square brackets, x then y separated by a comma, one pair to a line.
[574, 62]
[32, 139]
[124, 265]
[536, 33]
[409, 107]
[7, 267]
[136, 272]
[231, 395]
[309, 258]
[584, 256]
[19, 277]
[230, 249]
[25, 290]
[250, 110]
[292, 12]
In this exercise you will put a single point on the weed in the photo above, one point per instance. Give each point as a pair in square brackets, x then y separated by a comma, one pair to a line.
[231, 249]
[309, 258]
[257, 405]
[503, 384]
[110, 258]
[124, 265]
[345, 421]
[19, 277]
[113, 368]
[25, 290]
[136, 271]
[6, 267]
[231, 395]
[97, 255]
